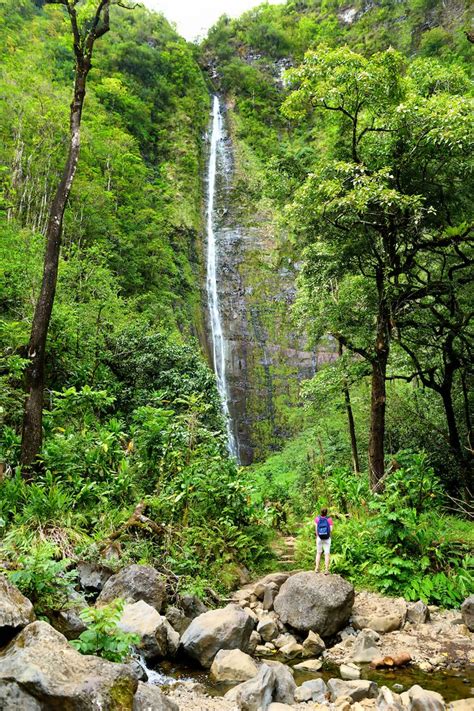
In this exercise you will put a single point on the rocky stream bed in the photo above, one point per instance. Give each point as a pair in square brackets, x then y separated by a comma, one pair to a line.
[288, 641]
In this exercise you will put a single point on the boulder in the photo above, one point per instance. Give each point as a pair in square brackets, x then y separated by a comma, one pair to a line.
[356, 690]
[177, 619]
[378, 613]
[467, 612]
[309, 665]
[157, 638]
[349, 672]
[192, 606]
[317, 690]
[150, 698]
[313, 645]
[135, 583]
[303, 694]
[254, 642]
[424, 700]
[292, 650]
[462, 705]
[312, 601]
[41, 669]
[68, 622]
[285, 684]
[283, 639]
[93, 576]
[365, 648]
[267, 629]
[418, 612]
[276, 706]
[255, 694]
[233, 665]
[388, 701]
[229, 627]
[271, 591]
[16, 611]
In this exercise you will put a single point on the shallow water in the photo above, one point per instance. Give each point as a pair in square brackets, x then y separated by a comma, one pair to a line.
[451, 685]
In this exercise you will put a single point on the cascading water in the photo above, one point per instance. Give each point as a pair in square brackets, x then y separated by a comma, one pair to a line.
[217, 336]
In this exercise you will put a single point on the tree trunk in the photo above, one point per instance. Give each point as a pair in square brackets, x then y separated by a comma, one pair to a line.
[32, 431]
[350, 421]
[377, 421]
[378, 394]
[454, 439]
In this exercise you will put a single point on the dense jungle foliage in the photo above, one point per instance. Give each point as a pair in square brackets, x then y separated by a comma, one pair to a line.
[362, 154]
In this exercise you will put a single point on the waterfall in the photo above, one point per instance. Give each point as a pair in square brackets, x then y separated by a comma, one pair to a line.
[217, 336]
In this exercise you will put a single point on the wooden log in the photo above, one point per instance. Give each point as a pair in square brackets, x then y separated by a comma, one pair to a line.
[390, 661]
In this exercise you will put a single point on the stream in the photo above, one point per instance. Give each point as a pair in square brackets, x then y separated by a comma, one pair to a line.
[451, 685]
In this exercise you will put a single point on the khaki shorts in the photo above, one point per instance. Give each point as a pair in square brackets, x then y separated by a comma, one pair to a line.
[323, 545]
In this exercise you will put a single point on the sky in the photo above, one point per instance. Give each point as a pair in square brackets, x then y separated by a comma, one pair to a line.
[194, 17]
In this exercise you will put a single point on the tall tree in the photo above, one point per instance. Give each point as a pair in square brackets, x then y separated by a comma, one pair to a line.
[370, 207]
[89, 21]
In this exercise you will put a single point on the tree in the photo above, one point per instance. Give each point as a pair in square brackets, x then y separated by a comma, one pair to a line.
[375, 201]
[89, 21]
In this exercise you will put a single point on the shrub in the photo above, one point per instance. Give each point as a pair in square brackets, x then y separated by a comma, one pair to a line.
[103, 636]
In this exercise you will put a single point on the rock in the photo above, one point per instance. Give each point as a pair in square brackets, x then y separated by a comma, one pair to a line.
[462, 705]
[267, 629]
[310, 601]
[424, 700]
[303, 694]
[418, 613]
[271, 591]
[316, 688]
[276, 706]
[262, 650]
[356, 690]
[177, 619]
[364, 648]
[225, 628]
[157, 638]
[233, 665]
[349, 672]
[313, 645]
[310, 665]
[467, 612]
[93, 576]
[138, 670]
[425, 666]
[283, 639]
[285, 684]
[150, 698]
[42, 670]
[378, 613]
[292, 650]
[388, 701]
[192, 606]
[16, 611]
[255, 694]
[254, 642]
[68, 623]
[135, 583]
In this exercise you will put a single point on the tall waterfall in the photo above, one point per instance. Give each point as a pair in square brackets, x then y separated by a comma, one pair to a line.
[217, 335]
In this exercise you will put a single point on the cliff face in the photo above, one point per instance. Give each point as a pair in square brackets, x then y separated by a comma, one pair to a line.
[266, 358]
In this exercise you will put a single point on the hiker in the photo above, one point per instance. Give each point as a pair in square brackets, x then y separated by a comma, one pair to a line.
[323, 525]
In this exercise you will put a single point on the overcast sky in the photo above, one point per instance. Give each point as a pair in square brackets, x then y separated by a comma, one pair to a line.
[194, 17]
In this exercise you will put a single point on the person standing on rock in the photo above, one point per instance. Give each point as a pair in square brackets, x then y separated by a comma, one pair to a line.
[323, 525]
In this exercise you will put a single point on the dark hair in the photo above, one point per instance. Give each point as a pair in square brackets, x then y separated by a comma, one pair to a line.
[324, 512]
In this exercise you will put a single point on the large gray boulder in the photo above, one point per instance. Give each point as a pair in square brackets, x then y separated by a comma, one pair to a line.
[157, 638]
[312, 601]
[467, 612]
[424, 700]
[229, 627]
[16, 611]
[41, 670]
[356, 690]
[255, 694]
[378, 613]
[134, 583]
[232, 665]
[285, 686]
[150, 698]
[93, 576]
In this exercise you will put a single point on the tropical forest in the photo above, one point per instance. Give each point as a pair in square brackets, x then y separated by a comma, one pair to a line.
[236, 426]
